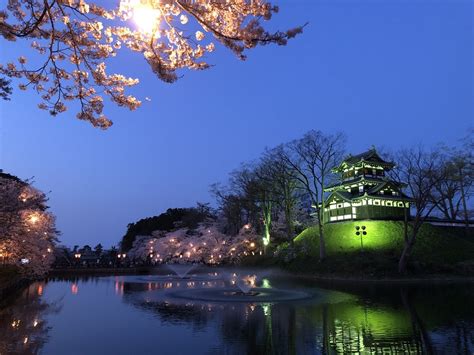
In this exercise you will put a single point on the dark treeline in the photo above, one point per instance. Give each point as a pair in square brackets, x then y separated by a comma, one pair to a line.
[171, 219]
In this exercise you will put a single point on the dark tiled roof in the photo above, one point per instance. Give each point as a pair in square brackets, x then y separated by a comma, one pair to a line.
[373, 192]
[352, 197]
[370, 156]
[344, 194]
[355, 180]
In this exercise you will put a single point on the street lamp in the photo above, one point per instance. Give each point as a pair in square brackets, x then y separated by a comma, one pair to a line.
[361, 231]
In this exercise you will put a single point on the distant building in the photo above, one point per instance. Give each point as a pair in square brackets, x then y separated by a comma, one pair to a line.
[364, 191]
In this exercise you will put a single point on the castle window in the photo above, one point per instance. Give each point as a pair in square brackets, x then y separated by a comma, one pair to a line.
[400, 204]
[388, 203]
[376, 202]
[361, 188]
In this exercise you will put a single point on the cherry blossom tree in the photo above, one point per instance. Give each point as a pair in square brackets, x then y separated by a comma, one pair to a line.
[204, 245]
[73, 39]
[27, 229]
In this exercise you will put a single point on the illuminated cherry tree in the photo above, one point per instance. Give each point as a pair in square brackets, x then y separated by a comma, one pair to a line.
[73, 39]
[27, 229]
[204, 245]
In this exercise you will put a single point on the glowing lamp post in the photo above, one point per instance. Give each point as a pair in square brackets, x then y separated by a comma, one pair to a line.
[361, 231]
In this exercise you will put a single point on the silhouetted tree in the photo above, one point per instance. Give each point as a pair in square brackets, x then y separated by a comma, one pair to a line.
[98, 249]
[421, 171]
[311, 158]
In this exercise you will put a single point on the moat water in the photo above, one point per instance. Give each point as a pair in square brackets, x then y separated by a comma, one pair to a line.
[203, 314]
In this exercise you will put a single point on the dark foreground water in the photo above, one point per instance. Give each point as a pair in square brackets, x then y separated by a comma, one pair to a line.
[156, 315]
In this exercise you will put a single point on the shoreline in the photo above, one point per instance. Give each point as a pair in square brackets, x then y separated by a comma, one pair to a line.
[9, 289]
[425, 279]
[428, 279]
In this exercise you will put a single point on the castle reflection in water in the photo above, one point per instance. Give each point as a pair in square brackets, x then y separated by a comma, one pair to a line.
[388, 320]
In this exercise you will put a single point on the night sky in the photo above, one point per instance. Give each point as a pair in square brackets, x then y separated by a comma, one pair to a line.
[389, 73]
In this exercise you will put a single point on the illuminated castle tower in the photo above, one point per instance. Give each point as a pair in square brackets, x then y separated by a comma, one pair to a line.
[364, 192]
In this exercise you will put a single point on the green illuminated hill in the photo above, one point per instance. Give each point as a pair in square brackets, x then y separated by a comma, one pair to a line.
[437, 248]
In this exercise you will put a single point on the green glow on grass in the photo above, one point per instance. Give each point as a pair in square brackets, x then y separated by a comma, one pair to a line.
[433, 244]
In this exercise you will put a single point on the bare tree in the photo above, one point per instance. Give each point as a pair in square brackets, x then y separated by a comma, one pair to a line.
[284, 185]
[256, 184]
[312, 158]
[464, 163]
[421, 171]
[453, 193]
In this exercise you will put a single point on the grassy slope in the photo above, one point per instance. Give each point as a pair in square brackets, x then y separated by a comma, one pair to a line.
[436, 248]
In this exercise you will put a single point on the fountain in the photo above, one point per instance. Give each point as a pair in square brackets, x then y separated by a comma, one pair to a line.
[245, 285]
[247, 291]
[181, 270]
[216, 286]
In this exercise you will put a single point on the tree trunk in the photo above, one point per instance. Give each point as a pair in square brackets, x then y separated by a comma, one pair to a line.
[463, 198]
[267, 224]
[407, 249]
[289, 213]
[322, 244]
[405, 225]
[403, 262]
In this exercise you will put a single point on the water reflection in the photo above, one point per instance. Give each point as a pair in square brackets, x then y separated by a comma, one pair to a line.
[389, 323]
[349, 319]
[23, 327]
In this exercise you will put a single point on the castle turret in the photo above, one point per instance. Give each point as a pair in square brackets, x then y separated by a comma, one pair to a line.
[365, 191]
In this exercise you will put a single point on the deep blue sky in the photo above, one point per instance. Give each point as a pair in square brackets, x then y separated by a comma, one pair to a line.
[386, 72]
